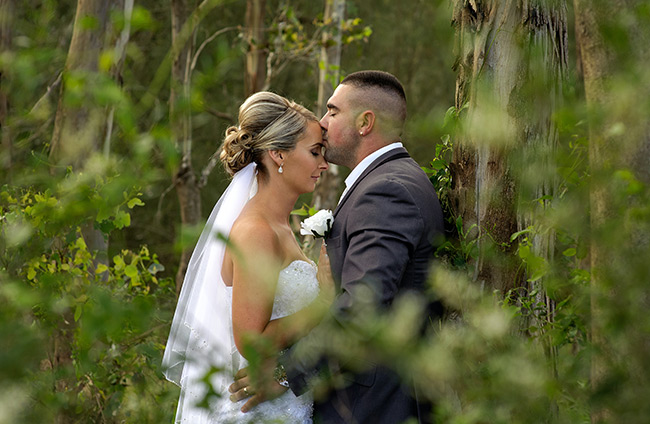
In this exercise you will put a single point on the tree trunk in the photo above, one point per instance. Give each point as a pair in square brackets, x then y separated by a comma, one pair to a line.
[78, 130]
[546, 31]
[78, 133]
[116, 70]
[498, 59]
[185, 18]
[327, 192]
[255, 56]
[330, 53]
[6, 18]
[185, 180]
[608, 72]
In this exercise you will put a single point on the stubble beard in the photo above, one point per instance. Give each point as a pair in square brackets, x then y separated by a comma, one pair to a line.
[343, 155]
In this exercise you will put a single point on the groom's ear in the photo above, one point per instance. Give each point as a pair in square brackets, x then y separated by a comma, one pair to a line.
[365, 122]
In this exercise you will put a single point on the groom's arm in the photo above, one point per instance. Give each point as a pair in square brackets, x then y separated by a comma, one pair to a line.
[303, 362]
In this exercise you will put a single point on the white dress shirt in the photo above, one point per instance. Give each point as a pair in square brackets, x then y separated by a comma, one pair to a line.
[365, 163]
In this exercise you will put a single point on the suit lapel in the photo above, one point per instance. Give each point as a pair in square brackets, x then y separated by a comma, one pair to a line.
[386, 157]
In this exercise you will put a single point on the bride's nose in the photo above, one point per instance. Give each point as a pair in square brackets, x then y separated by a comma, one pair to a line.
[324, 165]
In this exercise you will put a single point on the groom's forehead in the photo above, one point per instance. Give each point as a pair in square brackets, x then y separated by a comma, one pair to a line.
[342, 96]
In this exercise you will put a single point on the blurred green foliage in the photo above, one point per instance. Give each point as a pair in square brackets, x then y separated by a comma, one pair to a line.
[83, 331]
[88, 328]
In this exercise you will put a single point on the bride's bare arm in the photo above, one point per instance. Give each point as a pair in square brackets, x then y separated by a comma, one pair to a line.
[287, 330]
[256, 258]
[283, 332]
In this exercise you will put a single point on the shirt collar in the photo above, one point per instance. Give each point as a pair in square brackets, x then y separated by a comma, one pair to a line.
[367, 161]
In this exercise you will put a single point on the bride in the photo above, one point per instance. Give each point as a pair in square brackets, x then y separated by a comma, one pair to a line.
[256, 293]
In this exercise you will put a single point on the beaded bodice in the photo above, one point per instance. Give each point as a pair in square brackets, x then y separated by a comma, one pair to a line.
[297, 287]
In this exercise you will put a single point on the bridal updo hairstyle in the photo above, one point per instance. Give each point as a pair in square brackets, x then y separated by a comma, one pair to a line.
[267, 121]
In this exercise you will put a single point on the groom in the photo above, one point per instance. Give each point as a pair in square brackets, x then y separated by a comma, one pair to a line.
[380, 246]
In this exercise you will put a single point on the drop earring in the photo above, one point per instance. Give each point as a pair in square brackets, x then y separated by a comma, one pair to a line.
[280, 170]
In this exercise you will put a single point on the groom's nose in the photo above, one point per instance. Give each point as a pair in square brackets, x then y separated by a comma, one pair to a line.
[323, 122]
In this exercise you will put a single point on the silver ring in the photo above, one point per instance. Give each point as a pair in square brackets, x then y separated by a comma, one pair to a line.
[246, 391]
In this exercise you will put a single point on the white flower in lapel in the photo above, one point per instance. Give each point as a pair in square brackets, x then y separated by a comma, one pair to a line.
[319, 224]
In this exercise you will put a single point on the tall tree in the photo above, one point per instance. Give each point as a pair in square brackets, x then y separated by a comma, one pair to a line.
[185, 180]
[186, 15]
[80, 124]
[614, 45]
[255, 56]
[502, 48]
[78, 128]
[6, 18]
[326, 193]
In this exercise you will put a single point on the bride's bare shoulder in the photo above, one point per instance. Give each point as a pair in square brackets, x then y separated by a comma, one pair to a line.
[254, 232]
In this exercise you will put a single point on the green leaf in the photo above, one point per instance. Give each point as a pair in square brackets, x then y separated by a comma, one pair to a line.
[119, 262]
[519, 233]
[569, 252]
[131, 271]
[524, 252]
[141, 19]
[101, 268]
[122, 219]
[77, 312]
[134, 202]
[81, 244]
[300, 212]
[438, 164]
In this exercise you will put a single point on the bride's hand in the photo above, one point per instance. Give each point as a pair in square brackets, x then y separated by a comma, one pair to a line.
[324, 275]
[257, 390]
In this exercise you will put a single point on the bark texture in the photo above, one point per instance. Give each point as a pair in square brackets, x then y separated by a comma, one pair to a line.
[502, 48]
[185, 179]
[255, 56]
[6, 18]
[79, 129]
[328, 189]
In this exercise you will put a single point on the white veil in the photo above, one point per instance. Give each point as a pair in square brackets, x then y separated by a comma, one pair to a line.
[201, 332]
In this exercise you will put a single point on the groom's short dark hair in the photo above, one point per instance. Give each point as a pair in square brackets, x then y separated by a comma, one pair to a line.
[391, 99]
[376, 79]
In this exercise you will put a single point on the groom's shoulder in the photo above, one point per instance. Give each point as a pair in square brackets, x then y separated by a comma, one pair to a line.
[402, 174]
[400, 167]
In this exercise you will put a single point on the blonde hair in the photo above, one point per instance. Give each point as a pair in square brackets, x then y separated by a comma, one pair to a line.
[267, 121]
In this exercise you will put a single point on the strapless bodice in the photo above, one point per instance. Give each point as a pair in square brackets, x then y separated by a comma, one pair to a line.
[297, 287]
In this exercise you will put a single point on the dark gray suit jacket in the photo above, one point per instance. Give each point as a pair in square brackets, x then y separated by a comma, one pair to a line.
[382, 242]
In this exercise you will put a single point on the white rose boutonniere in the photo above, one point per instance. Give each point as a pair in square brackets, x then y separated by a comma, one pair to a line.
[318, 225]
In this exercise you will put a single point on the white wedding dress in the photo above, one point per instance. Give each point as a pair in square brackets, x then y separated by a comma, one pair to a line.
[297, 287]
[201, 347]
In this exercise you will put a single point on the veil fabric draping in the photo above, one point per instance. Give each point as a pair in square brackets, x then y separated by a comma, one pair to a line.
[201, 331]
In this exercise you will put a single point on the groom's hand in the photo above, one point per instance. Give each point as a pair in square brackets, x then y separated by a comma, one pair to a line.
[259, 390]
[324, 276]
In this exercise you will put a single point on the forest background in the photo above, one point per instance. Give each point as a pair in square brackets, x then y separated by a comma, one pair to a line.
[531, 117]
